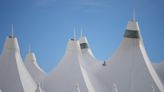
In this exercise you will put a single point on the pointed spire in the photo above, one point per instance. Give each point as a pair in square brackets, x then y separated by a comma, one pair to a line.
[29, 48]
[74, 33]
[12, 30]
[81, 32]
[134, 15]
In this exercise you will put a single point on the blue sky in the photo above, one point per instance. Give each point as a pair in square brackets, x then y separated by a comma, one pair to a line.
[48, 24]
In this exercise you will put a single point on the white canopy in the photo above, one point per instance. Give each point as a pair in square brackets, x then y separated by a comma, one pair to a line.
[90, 63]
[129, 67]
[14, 77]
[36, 72]
[68, 72]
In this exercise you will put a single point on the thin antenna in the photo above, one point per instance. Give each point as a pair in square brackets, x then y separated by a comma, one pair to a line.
[81, 32]
[74, 33]
[12, 30]
[134, 14]
[29, 48]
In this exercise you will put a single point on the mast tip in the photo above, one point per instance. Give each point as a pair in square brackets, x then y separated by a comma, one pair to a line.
[74, 33]
[12, 31]
[134, 14]
[29, 48]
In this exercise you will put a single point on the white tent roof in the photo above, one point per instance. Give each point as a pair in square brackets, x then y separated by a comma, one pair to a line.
[88, 57]
[129, 67]
[90, 63]
[31, 64]
[85, 46]
[68, 72]
[14, 76]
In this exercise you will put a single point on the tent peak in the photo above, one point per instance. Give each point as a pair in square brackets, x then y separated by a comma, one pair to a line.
[11, 43]
[132, 29]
